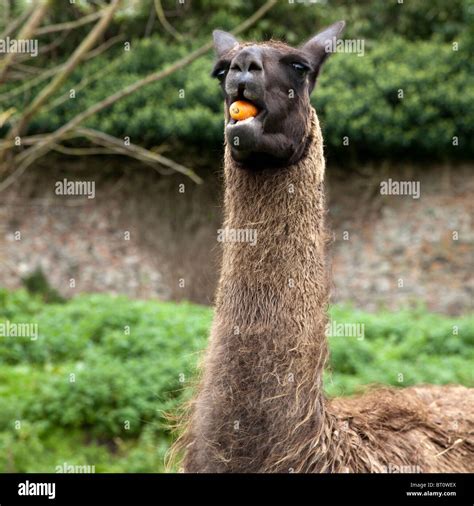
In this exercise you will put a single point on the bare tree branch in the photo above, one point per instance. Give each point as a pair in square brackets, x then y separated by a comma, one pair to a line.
[164, 22]
[42, 50]
[69, 25]
[46, 49]
[16, 23]
[6, 12]
[70, 65]
[136, 152]
[27, 141]
[50, 72]
[150, 22]
[82, 84]
[103, 47]
[25, 33]
[82, 151]
[18, 90]
[5, 115]
[29, 70]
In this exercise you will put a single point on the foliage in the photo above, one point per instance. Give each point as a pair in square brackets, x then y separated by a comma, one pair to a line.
[36, 282]
[93, 388]
[403, 348]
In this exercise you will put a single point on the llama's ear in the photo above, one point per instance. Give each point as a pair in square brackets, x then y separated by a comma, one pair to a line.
[223, 42]
[319, 47]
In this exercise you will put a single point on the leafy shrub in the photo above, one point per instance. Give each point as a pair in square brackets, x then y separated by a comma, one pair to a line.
[18, 303]
[37, 283]
[104, 369]
[357, 98]
[400, 349]
[105, 360]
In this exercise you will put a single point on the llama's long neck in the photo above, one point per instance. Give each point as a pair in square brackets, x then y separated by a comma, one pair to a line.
[260, 406]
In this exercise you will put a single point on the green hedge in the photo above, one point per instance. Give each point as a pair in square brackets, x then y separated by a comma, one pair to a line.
[128, 360]
[131, 359]
[401, 348]
[357, 97]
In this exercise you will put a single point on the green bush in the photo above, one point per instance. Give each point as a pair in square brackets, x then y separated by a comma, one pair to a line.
[105, 369]
[103, 360]
[357, 97]
[400, 349]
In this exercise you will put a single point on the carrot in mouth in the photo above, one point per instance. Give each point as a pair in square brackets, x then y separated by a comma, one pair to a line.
[241, 110]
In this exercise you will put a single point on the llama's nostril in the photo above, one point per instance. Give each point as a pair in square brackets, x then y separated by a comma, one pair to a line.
[254, 67]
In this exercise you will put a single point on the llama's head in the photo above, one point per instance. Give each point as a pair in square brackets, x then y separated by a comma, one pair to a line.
[278, 79]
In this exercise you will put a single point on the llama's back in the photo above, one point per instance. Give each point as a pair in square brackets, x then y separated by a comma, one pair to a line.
[419, 429]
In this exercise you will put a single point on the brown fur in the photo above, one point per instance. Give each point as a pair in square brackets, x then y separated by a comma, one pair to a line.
[260, 405]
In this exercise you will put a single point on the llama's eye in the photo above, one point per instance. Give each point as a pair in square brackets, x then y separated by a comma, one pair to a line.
[300, 68]
[220, 74]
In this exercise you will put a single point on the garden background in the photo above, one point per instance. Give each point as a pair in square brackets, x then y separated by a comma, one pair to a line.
[121, 286]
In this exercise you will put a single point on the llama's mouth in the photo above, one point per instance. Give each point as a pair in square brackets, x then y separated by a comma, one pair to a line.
[258, 116]
[245, 135]
[258, 104]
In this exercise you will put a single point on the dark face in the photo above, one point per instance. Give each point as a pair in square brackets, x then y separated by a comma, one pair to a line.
[278, 80]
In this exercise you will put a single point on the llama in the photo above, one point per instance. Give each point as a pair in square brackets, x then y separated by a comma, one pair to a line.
[260, 405]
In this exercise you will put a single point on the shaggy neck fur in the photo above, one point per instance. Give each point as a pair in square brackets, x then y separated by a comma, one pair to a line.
[260, 404]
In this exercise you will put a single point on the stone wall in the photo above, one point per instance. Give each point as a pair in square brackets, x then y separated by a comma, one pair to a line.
[393, 250]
